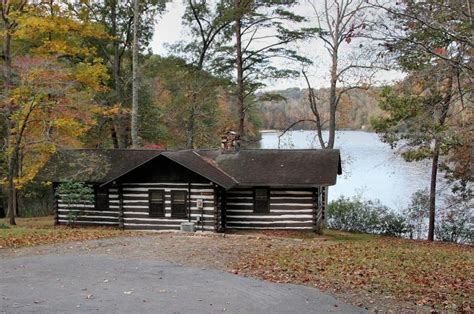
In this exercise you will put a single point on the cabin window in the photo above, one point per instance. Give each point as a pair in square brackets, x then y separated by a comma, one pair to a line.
[261, 200]
[157, 203]
[179, 203]
[101, 198]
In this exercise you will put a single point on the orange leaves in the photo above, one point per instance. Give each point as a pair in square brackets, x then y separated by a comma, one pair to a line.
[435, 275]
[59, 234]
[31, 234]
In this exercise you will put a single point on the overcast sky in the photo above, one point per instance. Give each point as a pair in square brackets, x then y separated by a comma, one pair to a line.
[169, 30]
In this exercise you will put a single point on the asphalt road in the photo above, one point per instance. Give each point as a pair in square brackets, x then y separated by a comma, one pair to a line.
[101, 283]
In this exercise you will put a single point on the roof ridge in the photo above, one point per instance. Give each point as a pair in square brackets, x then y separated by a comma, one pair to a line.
[215, 165]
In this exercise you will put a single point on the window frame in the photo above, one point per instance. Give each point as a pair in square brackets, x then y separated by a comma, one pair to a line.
[265, 210]
[185, 213]
[106, 199]
[163, 196]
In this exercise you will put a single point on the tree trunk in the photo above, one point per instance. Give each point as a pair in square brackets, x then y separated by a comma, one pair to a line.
[134, 123]
[432, 209]
[190, 129]
[118, 123]
[7, 62]
[434, 165]
[332, 102]
[7, 73]
[240, 73]
[12, 203]
[113, 134]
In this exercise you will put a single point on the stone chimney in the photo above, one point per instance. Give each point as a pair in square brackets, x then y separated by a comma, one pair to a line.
[230, 142]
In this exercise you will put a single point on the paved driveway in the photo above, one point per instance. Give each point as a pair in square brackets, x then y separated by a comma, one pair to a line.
[97, 282]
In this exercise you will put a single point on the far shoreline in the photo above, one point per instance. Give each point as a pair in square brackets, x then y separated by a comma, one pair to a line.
[299, 130]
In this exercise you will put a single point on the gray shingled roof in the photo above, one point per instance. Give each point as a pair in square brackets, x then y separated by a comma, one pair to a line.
[255, 167]
[278, 167]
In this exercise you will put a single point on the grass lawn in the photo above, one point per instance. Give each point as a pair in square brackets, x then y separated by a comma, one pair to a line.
[437, 275]
[41, 230]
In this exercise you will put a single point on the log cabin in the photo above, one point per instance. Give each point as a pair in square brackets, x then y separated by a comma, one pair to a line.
[216, 189]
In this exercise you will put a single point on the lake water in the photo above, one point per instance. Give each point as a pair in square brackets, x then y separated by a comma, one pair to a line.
[369, 166]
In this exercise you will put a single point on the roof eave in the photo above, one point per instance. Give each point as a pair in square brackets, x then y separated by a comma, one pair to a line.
[299, 185]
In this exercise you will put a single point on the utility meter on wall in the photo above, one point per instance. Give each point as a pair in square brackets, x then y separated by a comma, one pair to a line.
[200, 204]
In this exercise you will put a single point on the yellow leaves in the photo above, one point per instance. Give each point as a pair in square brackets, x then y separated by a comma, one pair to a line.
[57, 30]
[93, 75]
[111, 111]
[69, 126]
[43, 23]
[62, 47]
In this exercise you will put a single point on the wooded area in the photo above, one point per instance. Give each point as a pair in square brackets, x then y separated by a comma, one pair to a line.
[80, 74]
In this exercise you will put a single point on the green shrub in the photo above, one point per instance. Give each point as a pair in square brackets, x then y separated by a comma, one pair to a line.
[454, 217]
[75, 193]
[417, 214]
[455, 224]
[365, 216]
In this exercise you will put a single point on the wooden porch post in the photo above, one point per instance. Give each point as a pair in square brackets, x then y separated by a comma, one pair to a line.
[222, 202]
[317, 210]
[189, 200]
[55, 205]
[216, 208]
[120, 213]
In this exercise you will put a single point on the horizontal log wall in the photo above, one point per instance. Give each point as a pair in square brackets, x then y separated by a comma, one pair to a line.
[289, 209]
[87, 214]
[136, 213]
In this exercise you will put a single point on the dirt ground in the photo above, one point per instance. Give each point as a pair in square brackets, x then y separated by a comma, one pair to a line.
[210, 251]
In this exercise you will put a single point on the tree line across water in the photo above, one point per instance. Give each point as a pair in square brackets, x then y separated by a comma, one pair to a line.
[80, 74]
[354, 112]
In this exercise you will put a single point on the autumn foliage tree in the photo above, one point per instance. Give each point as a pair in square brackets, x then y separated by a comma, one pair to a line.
[48, 96]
